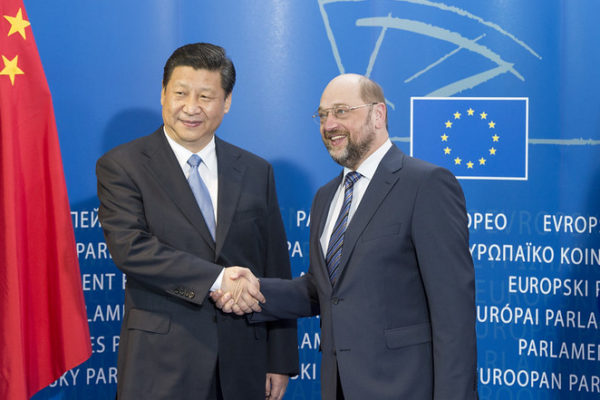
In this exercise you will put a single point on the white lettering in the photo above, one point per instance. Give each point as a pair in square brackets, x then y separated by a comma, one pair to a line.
[69, 378]
[95, 282]
[522, 378]
[487, 221]
[107, 313]
[583, 383]
[98, 344]
[100, 376]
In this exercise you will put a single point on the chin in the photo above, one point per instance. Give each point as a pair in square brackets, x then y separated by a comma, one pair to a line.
[341, 159]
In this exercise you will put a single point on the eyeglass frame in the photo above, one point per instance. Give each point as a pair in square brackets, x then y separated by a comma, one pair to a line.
[333, 110]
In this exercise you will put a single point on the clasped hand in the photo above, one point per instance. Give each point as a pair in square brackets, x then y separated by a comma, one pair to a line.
[239, 293]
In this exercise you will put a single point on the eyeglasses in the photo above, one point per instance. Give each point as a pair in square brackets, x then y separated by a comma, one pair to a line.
[339, 112]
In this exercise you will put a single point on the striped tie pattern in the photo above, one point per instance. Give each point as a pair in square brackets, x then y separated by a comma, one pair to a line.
[334, 250]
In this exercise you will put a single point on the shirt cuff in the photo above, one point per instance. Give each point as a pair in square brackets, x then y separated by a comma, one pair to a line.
[217, 285]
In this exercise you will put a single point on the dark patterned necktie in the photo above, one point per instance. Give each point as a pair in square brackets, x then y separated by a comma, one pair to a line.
[334, 250]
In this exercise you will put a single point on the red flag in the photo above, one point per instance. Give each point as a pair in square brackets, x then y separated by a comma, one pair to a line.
[43, 324]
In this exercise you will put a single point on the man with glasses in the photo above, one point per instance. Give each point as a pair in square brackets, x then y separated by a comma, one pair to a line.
[390, 270]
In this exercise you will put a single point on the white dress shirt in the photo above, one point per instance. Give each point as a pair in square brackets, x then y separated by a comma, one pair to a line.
[366, 170]
[209, 173]
[207, 169]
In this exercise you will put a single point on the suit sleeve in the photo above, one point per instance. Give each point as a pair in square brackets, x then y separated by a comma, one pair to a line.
[441, 239]
[283, 335]
[136, 250]
[287, 299]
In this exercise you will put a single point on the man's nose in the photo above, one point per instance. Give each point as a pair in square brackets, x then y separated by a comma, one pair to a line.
[192, 106]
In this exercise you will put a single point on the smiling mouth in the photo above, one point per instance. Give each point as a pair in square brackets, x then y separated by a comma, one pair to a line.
[336, 139]
[191, 124]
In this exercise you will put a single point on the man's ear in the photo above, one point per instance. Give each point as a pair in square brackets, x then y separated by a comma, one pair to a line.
[227, 103]
[380, 111]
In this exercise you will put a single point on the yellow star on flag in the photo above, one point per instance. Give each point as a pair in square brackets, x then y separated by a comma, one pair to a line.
[457, 115]
[483, 115]
[470, 164]
[495, 138]
[492, 124]
[444, 137]
[448, 124]
[11, 69]
[493, 151]
[470, 111]
[447, 150]
[482, 161]
[17, 24]
[457, 160]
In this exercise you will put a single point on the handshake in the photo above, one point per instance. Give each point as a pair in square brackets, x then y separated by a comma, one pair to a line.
[239, 293]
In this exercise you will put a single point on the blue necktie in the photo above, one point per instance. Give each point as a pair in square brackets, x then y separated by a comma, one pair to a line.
[201, 194]
[334, 249]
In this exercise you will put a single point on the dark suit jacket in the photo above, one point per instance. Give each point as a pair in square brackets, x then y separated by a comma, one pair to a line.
[399, 323]
[172, 334]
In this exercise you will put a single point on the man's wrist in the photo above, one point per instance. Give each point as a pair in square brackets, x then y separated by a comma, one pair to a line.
[217, 284]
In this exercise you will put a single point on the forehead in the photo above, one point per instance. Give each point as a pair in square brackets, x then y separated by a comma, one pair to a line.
[199, 78]
[341, 91]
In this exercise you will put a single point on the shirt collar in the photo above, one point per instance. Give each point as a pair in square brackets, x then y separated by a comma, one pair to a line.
[368, 167]
[208, 154]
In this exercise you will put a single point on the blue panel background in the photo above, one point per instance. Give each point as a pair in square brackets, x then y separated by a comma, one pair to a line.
[104, 59]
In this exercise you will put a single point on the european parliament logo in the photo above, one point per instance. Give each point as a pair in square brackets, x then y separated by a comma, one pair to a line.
[474, 137]
[424, 47]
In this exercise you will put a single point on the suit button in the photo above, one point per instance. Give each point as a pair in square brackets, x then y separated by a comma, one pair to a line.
[335, 300]
[191, 294]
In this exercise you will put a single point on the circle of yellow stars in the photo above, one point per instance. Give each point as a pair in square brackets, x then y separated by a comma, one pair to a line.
[17, 25]
[446, 137]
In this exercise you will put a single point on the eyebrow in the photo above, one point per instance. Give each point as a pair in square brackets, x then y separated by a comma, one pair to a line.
[333, 106]
[187, 86]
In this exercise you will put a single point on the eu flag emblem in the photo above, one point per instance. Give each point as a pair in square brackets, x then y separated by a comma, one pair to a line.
[474, 137]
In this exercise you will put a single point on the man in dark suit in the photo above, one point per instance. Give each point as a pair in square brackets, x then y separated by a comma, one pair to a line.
[390, 270]
[178, 208]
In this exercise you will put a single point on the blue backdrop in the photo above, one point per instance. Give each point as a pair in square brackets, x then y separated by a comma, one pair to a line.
[535, 234]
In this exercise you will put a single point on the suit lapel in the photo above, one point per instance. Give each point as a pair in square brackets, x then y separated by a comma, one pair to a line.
[162, 164]
[319, 218]
[322, 210]
[231, 172]
[384, 179]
